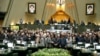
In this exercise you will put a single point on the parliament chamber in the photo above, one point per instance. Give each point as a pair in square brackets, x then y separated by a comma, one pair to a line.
[49, 28]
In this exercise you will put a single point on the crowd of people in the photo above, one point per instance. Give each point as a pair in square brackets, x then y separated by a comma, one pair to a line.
[50, 39]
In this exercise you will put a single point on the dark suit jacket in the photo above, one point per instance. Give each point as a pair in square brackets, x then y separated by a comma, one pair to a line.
[11, 38]
[80, 39]
[23, 38]
[63, 41]
[2, 37]
[88, 40]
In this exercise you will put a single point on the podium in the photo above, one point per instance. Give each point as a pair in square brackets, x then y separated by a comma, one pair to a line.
[60, 28]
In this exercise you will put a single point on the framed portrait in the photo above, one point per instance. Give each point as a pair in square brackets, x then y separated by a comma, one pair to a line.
[32, 8]
[90, 9]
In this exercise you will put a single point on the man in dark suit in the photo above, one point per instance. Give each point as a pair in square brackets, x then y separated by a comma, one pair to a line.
[94, 38]
[2, 36]
[80, 38]
[63, 42]
[88, 37]
[55, 41]
[11, 36]
[30, 37]
[22, 37]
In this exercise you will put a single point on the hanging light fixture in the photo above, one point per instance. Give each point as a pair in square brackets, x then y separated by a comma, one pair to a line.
[60, 5]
